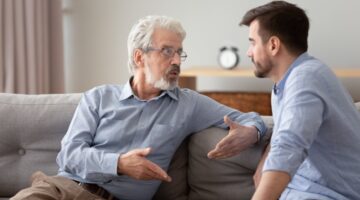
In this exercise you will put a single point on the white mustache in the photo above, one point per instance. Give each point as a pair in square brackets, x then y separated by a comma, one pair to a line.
[173, 68]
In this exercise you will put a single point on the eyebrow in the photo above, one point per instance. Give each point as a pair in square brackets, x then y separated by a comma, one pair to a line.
[251, 40]
[167, 46]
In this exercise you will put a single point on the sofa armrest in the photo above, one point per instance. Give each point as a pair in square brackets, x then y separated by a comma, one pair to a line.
[234, 174]
[31, 130]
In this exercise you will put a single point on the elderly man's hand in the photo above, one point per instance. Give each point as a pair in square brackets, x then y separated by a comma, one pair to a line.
[135, 164]
[239, 138]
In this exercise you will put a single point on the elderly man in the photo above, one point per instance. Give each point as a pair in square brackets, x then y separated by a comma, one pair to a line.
[122, 138]
[315, 149]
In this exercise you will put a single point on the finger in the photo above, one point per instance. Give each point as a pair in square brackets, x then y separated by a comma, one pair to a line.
[150, 172]
[224, 143]
[222, 155]
[212, 154]
[229, 122]
[215, 153]
[157, 172]
[228, 155]
[228, 150]
[151, 175]
[142, 152]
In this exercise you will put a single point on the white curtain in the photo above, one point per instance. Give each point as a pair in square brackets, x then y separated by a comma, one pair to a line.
[31, 47]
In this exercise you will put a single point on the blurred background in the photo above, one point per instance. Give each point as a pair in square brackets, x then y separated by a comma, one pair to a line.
[94, 35]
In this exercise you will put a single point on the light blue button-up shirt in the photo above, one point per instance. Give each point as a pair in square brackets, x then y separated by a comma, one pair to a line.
[110, 120]
[316, 135]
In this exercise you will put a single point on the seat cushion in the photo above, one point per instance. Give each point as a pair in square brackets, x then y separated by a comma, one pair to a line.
[31, 130]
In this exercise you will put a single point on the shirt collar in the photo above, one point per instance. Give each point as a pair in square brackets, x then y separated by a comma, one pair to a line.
[278, 88]
[127, 92]
[173, 93]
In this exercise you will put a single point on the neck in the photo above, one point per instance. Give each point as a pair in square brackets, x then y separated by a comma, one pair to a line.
[282, 63]
[142, 89]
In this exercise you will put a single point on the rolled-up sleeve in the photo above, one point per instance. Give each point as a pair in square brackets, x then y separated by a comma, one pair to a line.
[77, 155]
[297, 124]
[208, 112]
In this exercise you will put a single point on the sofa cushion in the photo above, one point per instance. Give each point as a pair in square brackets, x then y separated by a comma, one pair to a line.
[229, 178]
[357, 105]
[178, 187]
[31, 130]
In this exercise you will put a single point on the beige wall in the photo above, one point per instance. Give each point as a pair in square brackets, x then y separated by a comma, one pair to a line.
[96, 33]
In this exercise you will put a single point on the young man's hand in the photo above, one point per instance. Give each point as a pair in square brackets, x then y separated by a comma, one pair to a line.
[239, 138]
[135, 165]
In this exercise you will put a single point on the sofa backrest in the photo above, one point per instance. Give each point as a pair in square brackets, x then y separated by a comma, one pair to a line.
[357, 105]
[31, 128]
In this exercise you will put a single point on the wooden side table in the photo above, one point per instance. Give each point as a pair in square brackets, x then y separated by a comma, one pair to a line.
[243, 101]
[188, 76]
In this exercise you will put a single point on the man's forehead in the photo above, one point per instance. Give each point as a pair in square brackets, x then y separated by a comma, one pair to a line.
[254, 26]
[254, 30]
[166, 38]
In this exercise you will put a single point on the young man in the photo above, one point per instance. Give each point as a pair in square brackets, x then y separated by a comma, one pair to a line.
[122, 138]
[315, 147]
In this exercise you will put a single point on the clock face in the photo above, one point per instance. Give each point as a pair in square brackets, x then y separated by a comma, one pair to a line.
[228, 58]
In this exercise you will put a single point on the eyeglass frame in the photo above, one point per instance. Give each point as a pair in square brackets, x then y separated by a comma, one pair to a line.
[170, 54]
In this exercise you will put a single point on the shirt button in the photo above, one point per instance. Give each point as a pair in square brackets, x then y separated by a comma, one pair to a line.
[21, 152]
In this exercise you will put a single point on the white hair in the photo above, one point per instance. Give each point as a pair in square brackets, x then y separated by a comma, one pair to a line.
[140, 36]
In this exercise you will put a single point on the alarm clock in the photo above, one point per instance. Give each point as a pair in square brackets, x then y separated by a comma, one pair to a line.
[228, 57]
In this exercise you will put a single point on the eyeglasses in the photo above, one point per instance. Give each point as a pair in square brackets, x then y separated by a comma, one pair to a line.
[169, 52]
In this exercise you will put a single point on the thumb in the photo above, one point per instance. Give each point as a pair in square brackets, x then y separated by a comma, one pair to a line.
[229, 122]
[143, 152]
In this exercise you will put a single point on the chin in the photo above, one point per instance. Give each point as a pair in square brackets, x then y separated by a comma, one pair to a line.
[172, 84]
[259, 74]
[166, 85]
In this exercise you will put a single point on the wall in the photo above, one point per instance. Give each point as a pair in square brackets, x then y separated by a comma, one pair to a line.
[96, 33]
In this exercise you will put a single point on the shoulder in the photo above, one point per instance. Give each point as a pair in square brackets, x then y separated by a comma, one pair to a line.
[311, 72]
[185, 93]
[195, 98]
[103, 91]
[314, 68]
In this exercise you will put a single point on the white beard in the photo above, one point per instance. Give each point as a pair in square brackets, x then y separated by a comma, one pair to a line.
[161, 84]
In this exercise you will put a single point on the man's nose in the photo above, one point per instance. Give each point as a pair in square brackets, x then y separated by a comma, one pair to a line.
[249, 53]
[176, 59]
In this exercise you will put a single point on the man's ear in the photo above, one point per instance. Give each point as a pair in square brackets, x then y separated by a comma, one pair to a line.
[274, 45]
[139, 57]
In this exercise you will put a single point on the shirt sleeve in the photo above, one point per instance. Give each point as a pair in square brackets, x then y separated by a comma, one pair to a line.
[207, 112]
[77, 156]
[298, 123]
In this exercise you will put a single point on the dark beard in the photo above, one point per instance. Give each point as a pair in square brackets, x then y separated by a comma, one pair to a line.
[262, 71]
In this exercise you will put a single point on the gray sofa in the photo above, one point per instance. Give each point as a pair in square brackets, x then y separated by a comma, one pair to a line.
[31, 128]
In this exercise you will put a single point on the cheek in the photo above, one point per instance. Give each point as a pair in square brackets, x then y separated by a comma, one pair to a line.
[159, 71]
[249, 52]
[259, 53]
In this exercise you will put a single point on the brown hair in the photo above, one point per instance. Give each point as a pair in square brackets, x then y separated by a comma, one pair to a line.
[281, 19]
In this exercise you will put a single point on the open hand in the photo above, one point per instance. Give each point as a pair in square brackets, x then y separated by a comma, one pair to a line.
[239, 138]
[135, 164]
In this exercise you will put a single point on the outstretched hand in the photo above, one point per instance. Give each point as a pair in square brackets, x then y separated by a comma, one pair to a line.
[135, 164]
[239, 138]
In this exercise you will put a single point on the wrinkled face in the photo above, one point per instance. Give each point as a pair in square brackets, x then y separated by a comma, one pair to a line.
[162, 62]
[259, 52]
